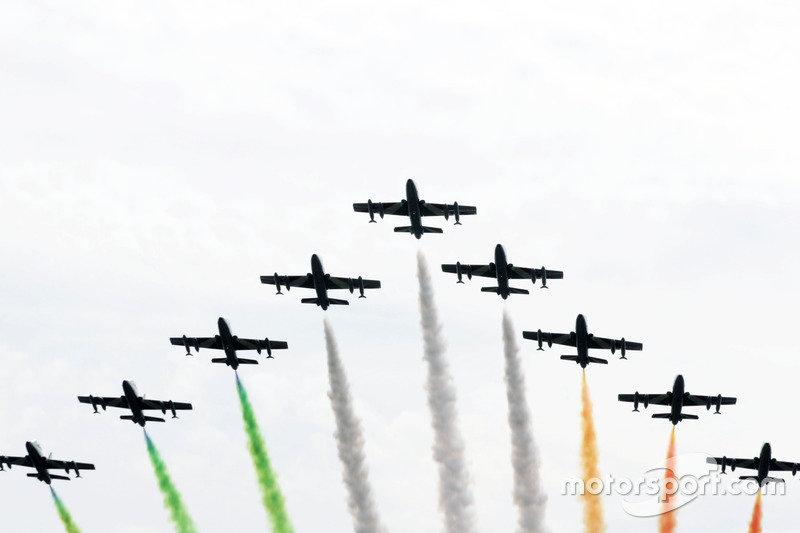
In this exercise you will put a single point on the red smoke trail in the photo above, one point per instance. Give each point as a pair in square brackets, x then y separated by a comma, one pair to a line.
[668, 518]
[592, 505]
[755, 522]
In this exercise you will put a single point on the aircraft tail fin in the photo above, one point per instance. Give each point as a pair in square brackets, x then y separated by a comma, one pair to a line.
[309, 300]
[334, 301]
[428, 229]
[402, 229]
[598, 360]
[495, 290]
[569, 357]
[247, 361]
[153, 419]
[219, 360]
[513, 290]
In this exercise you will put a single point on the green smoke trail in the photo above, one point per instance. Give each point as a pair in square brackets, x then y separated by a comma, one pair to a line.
[66, 518]
[271, 494]
[172, 498]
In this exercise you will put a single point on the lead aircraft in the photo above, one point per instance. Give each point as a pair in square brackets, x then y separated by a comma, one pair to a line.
[763, 464]
[677, 399]
[36, 459]
[321, 282]
[415, 209]
[503, 271]
[582, 340]
[229, 344]
[137, 404]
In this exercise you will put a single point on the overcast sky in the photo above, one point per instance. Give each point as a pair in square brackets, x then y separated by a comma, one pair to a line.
[156, 158]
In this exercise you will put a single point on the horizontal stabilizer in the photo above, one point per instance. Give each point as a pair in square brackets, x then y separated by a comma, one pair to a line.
[32, 475]
[219, 360]
[512, 290]
[773, 480]
[153, 419]
[56, 476]
[402, 229]
[334, 301]
[569, 357]
[598, 360]
[126, 417]
[428, 229]
[495, 290]
[247, 361]
[309, 300]
[662, 415]
[689, 417]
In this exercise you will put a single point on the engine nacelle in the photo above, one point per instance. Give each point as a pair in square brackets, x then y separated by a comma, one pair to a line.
[636, 402]
[381, 211]
[708, 403]
[286, 283]
[613, 347]
[623, 347]
[361, 287]
[187, 343]
[351, 285]
[94, 402]
[539, 339]
[645, 400]
[457, 212]
[794, 469]
[724, 463]
[74, 466]
[278, 283]
[371, 210]
[172, 408]
[268, 348]
[549, 340]
[544, 278]
[458, 272]
[6, 460]
[718, 404]
[733, 464]
[446, 212]
[469, 271]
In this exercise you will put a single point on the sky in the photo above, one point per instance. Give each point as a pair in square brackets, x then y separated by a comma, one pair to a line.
[156, 158]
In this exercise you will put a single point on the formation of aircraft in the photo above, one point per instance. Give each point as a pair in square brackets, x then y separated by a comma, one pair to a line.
[583, 341]
[415, 209]
[763, 465]
[503, 271]
[229, 344]
[130, 399]
[36, 459]
[677, 399]
[321, 282]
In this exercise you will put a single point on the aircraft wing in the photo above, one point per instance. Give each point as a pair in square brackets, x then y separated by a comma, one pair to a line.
[605, 344]
[63, 465]
[21, 461]
[751, 464]
[566, 339]
[258, 344]
[516, 272]
[389, 208]
[486, 271]
[351, 283]
[107, 401]
[438, 210]
[652, 399]
[306, 281]
[694, 399]
[781, 466]
[199, 342]
[147, 403]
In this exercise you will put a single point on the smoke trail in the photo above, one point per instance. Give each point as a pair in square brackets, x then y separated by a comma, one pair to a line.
[271, 494]
[668, 519]
[755, 522]
[528, 494]
[455, 496]
[66, 518]
[172, 498]
[350, 444]
[592, 506]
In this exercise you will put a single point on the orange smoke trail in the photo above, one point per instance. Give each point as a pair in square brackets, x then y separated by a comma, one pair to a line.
[592, 505]
[755, 522]
[667, 520]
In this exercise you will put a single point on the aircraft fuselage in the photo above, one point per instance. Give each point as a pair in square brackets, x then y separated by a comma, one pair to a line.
[501, 271]
[35, 453]
[414, 213]
[582, 341]
[321, 288]
[677, 400]
[764, 462]
[228, 344]
[133, 402]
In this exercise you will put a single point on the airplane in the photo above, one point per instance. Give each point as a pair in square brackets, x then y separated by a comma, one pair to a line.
[763, 464]
[503, 271]
[36, 459]
[677, 399]
[582, 340]
[137, 404]
[229, 343]
[321, 282]
[415, 209]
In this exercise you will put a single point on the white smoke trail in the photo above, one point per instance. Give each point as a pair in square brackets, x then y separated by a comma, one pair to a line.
[529, 497]
[455, 495]
[350, 444]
